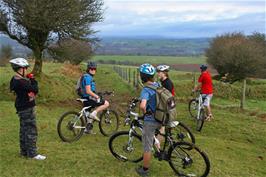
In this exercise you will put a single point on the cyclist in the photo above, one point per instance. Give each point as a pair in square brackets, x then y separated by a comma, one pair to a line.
[147, 105]
[205, 84]
[88, 87]
[162, 71]
[25, 87]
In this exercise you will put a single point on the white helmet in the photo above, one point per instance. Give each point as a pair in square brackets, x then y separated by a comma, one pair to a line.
[17, 63]
[163, 68]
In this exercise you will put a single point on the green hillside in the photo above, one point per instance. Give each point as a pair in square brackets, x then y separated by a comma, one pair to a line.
[234, 141]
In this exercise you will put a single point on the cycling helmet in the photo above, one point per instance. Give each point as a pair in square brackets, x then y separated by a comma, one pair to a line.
[203, 67]
[163, 68]
[147, 72]
[91, 64]
[147, 69]
[17, 63]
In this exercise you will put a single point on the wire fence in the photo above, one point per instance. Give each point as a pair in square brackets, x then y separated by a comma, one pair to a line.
[129, 75]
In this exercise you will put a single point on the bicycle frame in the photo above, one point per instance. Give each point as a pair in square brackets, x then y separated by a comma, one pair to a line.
[200, 105]
[137, 124]
[81, 114]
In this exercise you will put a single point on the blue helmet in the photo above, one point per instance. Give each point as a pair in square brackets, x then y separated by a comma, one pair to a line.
[147, 69]
[203, 67]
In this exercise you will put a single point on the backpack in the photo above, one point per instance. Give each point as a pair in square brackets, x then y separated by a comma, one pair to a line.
[165, 105]
[78, 87]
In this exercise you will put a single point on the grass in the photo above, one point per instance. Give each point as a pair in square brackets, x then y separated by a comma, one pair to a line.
[151, 59]
[234, 141]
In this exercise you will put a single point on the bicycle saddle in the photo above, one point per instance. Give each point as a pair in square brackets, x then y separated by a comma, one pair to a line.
[173, 124]
[81, 100]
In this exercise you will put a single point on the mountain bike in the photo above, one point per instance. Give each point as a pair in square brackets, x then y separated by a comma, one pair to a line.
[185, 158]
[180, 131]
[197, 110]
[71, 125]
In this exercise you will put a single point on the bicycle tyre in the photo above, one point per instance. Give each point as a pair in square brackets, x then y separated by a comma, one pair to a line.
[60, 125]
[103, 121]
[188, 154]
[121, 156]
[201, 120]
[193, 107]
[187, 135]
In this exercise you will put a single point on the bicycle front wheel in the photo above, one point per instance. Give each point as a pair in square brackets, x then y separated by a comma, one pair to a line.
[186, 159]
[193, 108]
[125, 147]
[109, 122]
[70, 126]
[182, 133]
[200, 120]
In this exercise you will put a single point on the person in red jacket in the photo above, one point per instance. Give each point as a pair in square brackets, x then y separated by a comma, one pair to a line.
[205, 84]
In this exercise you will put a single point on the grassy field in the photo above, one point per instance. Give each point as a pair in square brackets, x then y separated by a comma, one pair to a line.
[151, 59]
[234, 141]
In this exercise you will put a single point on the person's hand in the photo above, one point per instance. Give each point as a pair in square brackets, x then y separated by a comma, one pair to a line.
[30, 76]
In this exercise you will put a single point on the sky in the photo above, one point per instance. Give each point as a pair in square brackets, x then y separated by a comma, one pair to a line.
[181, 19]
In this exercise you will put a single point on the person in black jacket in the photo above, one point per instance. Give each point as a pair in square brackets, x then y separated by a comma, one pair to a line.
[162, 71]
[25, 87]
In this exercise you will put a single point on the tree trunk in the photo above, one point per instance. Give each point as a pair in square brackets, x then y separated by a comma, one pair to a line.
[38, 62]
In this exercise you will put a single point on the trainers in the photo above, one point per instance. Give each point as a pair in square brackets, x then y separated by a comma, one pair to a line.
[89, 132]
[142, 172]
[209, 117]
[39, 157]
[94, 117]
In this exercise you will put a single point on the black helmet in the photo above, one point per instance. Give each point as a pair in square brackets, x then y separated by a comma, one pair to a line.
[203, 67]
[91, 64]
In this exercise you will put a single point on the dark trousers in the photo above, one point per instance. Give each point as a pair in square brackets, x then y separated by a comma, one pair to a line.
[28, 132]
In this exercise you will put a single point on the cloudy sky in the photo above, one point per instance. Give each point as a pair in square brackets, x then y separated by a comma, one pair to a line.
[179, 19]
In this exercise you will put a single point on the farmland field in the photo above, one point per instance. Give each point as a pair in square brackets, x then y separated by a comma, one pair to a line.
[234, 141]
[151, 59]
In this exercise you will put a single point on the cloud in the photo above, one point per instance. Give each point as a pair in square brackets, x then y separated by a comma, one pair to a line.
[155, 17]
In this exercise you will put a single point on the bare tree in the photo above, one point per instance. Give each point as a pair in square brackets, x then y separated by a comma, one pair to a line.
[37, 23]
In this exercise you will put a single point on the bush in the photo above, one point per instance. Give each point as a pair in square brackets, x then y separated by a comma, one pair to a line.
[71, 50]
[237, 56]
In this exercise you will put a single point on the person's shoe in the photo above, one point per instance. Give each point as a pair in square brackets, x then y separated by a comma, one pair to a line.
[209, 117]
[94, 117]
[39, 157]
[89, 132]
[142, 172]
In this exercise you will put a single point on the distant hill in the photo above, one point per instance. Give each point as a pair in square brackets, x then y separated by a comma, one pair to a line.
[18, 49]
[135, 46]
[154, 46]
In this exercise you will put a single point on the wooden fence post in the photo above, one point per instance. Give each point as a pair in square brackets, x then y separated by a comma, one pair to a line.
[134, 78]
[129, 75]
[243, 99]
[137, 85]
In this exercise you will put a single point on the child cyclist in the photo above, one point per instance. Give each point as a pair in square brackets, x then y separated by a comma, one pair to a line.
[162, 72]
[26, 88]
[88, 87]
[148, 106]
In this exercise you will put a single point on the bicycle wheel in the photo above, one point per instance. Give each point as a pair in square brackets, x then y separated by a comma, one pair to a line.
[109, 122]
[126, 148]
[186, 159]
[201, 119]
[70, 127]
[182, 133]
[193, 108]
